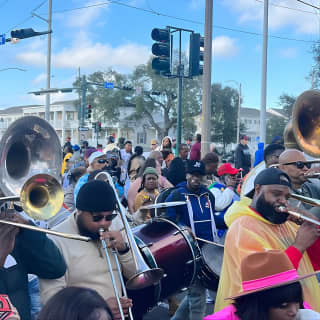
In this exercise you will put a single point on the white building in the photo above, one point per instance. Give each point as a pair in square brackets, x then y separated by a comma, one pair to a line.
[64, 118]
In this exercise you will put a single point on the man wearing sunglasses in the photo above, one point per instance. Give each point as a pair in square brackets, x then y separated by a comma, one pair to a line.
[86, 264]
[97, 161]
[295, 165]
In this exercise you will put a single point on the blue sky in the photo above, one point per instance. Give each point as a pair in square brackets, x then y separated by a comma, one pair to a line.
[118, 36]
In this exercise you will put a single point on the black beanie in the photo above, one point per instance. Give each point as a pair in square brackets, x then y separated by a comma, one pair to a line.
[96, 196]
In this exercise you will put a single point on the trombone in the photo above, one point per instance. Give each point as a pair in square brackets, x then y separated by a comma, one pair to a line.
[41, 198]
[144, 276]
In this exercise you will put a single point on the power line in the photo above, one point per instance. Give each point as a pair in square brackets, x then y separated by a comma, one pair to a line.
[289, 8]
[308, 4]
[151, 11]
[28, 18]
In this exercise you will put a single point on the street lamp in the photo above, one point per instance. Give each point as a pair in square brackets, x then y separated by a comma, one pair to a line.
[239, 107]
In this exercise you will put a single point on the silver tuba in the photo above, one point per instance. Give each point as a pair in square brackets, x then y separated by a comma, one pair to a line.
[29, 146]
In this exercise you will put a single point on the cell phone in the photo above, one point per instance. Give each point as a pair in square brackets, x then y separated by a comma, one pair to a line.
[5, 307]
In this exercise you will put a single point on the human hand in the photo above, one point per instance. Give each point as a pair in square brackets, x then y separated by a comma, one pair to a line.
[113, 305]
[8, 235]
[114, 240]
[307, 234]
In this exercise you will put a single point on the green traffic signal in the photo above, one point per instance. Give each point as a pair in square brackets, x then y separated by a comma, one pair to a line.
[196, 55]
[161, 35]
[162, 50]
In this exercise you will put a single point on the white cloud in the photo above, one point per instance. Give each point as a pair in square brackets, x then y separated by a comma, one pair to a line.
[196, 4]
[83, 18]
[40, 78]
[91, 56]
[224, 46]
[279, 17]
[288, 53]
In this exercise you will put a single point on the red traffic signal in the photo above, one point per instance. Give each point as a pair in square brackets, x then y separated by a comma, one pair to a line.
[88, 111]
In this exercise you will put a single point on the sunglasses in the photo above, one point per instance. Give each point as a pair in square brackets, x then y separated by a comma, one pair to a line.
[109, 217]
[102, 161]
[299, 164]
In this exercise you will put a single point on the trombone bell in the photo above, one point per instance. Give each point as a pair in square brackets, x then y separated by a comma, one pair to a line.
[41, 196]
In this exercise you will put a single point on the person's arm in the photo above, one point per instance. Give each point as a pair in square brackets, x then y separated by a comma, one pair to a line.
[39, 254]
[49, 288]
[222, 198]
[238, 157]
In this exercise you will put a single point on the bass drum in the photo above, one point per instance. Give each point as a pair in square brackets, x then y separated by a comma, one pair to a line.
[248, 183]
[165, 245]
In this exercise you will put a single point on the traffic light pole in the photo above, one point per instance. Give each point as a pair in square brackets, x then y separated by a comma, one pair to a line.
[83, 99]
[179, 113]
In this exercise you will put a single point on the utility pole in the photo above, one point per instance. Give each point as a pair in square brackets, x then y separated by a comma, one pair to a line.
[206, 96]
[47, 110]
[83, 99]
[238, 116]
[264, 74]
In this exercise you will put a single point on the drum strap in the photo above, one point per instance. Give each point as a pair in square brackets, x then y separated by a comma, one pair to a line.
[192, 222]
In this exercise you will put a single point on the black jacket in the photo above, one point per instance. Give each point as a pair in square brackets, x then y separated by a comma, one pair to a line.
[35, 254]
[242, 158]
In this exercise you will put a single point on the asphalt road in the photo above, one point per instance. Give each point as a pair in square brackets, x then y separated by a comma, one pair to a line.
[161, 313]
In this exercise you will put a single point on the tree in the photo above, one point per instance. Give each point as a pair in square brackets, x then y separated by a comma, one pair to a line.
[224, 108]
[149, 105]
[314, 74]
[276, 124]
[106, 102]
[154, 97]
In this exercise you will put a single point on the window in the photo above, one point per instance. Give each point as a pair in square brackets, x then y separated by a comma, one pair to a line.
[249, 121]
[51, 116]
[59, 114]
[70, 115]
[141, 138]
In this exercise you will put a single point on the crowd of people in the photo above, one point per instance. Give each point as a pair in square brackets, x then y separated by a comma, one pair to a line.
[266, 261]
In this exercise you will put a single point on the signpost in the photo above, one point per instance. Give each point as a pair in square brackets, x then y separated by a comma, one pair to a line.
[83, 129]
[108, 85]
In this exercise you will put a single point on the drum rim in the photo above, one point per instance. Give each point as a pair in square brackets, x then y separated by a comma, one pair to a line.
[148, 254]
[186, 236]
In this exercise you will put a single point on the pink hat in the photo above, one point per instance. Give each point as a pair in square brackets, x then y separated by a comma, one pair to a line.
[265, 270]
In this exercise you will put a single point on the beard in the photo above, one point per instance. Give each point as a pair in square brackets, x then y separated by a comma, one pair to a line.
[269, 213]
[84, 231]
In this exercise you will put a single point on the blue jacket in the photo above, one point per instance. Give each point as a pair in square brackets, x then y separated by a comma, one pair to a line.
[258, 156]
[200, 203]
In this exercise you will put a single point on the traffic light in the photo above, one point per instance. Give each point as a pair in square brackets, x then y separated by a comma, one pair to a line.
[88, 112]
[196, 55]
[99, 127]
[26, 33]
[162, 50]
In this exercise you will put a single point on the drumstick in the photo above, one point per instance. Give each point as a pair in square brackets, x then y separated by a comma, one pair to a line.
[210, 242]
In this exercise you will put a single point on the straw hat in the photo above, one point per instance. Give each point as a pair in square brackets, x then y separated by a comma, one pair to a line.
[265, 270]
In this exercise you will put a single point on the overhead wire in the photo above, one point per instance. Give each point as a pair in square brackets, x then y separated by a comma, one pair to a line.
[27, 18]
[151, 11]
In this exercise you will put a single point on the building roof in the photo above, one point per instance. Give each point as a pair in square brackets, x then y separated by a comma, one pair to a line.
[249, 112]
[15, 110]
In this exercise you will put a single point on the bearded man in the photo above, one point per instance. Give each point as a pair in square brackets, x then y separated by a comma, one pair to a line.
[262, 224]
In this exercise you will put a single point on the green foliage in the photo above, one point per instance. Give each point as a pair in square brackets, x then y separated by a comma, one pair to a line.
[146, 83]
[314, 74]
[224, 106]
[275, 124]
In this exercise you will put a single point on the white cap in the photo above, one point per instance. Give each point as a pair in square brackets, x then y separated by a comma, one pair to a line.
[95, 155]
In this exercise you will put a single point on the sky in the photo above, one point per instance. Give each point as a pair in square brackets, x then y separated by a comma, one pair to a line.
[98, 34]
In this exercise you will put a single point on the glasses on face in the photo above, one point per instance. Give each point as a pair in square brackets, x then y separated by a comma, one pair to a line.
[109, 217]
[298, 164]
[102, 161]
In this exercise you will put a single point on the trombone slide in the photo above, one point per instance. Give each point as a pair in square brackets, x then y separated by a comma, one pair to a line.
[300, 216]
[52, 232]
